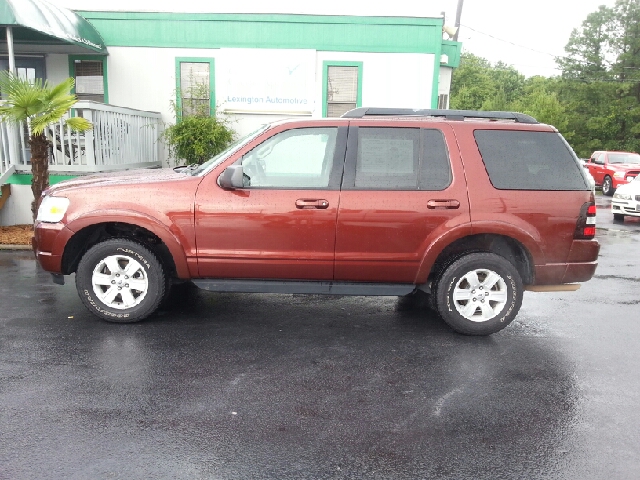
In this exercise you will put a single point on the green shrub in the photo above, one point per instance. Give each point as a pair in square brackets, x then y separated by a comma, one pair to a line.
[195, 139]
[197, 135]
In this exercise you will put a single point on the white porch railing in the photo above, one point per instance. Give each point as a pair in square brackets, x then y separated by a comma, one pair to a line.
[121, 138]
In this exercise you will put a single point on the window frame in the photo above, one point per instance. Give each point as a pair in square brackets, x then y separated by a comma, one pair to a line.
[337, 167]
[212, 83]
[325, 81]
[105, 71]
[350, 169]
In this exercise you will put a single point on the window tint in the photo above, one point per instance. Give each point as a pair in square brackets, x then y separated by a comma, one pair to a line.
[529, 160]
[299, 158]
[401, 159]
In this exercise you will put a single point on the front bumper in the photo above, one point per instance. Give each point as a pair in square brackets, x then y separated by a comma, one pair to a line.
[48, 242]
[625, 207]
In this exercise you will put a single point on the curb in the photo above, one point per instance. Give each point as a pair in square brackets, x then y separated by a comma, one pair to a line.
[15, 247]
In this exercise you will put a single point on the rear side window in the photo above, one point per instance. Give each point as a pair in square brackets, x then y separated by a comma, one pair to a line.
[401, 159]
[518, 160]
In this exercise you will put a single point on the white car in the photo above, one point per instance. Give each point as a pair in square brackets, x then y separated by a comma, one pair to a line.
[626, 200]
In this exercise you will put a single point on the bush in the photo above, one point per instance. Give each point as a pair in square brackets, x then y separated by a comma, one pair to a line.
[197, 135]
[195, 139]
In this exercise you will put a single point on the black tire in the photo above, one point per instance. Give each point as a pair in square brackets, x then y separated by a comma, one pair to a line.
[618, 217]
[607, 186]
[148, 273]
[508, 286]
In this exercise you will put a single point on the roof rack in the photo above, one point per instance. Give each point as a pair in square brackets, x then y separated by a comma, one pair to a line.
[448, 114]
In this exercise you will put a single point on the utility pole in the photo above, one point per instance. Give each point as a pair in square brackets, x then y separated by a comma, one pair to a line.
[458, 15]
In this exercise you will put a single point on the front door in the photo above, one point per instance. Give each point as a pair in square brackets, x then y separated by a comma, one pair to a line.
[282, 225]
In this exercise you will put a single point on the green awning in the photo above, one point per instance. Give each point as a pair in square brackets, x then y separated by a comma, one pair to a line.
[37, 22]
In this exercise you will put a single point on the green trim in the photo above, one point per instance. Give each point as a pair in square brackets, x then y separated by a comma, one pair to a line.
[25, 179]
[315, 32]
[260, 17]
[325, 81]
[212, 82]
[452, 50]
[105, 73]
[436, 77]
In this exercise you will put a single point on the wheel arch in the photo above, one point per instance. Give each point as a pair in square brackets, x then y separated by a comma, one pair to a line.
[89, 231]
[508, 247]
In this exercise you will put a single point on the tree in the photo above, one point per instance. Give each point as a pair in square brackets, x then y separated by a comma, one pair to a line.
[600, 84]
[39, 105]
[477, 85]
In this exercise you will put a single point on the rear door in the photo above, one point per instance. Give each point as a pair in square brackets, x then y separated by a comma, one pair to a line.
[404, 186]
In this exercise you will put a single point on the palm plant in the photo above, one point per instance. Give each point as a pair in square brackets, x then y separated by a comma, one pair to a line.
[39, 105]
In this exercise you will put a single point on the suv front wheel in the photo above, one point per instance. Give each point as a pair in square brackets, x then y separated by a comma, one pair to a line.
[479, 294]
[120, 281]
[607, 186]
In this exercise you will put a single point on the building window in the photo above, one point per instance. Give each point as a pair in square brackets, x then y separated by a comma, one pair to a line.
[194, 86]
[90, 74]
[342, 88]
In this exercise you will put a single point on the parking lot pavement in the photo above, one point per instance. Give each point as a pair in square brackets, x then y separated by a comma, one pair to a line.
[250, 386]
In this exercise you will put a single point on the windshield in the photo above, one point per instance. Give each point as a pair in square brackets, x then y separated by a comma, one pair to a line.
[235, 146]
[624, 158]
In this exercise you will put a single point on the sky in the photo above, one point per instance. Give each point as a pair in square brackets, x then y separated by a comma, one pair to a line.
[524, 34]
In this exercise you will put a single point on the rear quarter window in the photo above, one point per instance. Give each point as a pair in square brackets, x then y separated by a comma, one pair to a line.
[519, 160]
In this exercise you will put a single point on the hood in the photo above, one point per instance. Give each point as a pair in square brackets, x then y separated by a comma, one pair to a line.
[625, 166]
[631, 188]
[127, 177]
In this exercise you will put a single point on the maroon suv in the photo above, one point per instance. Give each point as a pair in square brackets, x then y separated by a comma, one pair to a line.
[471, 208]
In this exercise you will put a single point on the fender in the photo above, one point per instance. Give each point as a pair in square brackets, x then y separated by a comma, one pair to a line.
[169, 238]
[448, 236]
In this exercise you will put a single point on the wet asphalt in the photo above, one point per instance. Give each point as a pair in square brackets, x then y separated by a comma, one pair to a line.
[248, 386]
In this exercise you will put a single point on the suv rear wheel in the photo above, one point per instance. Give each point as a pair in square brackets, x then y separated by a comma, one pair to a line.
[120, 281]
[479, 294]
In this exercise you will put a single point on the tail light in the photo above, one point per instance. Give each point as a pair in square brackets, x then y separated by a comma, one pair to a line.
[586, 224]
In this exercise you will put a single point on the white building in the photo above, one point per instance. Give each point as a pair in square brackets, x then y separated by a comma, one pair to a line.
[259, 67]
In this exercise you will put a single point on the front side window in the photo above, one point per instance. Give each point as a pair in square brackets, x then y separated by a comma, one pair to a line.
[298, 158]
[521, 160]
[401, 159]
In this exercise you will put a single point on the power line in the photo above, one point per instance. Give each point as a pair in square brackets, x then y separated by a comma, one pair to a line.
[510, 42]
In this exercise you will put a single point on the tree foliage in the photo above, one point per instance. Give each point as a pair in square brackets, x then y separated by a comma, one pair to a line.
[594, 103]
[38, 104]
[197, 134]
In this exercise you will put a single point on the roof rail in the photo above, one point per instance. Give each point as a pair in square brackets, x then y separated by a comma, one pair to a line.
[448, 114]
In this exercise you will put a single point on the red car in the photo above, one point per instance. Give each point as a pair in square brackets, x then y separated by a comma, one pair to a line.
[612, 169]
[379, 202]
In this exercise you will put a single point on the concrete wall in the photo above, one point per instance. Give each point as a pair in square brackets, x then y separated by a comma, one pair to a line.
[17, 210]
[144, 78]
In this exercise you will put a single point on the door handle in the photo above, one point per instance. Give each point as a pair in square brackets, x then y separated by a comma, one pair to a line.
[312, 203]
[449, 204]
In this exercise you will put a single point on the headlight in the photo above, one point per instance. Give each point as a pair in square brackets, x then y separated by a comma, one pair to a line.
[618, 175]
[622, 196]
[52, 209]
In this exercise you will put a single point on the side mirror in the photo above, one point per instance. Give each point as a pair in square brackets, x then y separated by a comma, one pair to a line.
[232, 177]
